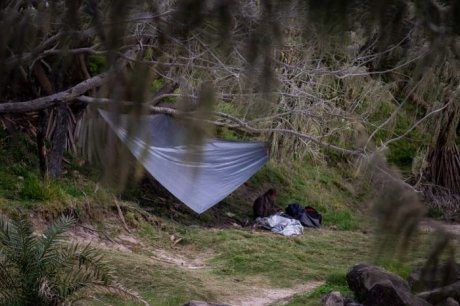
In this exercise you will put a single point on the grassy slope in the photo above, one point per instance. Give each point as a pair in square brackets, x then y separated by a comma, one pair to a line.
[237, 259]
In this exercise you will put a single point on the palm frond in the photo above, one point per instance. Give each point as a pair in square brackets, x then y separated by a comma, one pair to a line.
[81, 267]
[7, 272]
[116, 289]
[4, 229]
[52, 237]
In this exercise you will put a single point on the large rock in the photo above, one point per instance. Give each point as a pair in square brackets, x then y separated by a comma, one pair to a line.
[438, 295]
[375, 286]
[434, 276]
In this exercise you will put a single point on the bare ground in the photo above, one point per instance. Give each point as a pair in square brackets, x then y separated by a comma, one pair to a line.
[237, 295]
[268, 296]
[430, 225]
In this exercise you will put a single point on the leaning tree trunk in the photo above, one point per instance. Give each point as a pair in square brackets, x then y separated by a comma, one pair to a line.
[58, 141]
[443, 156]
[41, 142]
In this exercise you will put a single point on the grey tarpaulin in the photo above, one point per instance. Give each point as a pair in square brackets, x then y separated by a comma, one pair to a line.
[198, 175]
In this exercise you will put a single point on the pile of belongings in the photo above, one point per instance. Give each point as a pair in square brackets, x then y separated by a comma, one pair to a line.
[292, 222]
[280, 224]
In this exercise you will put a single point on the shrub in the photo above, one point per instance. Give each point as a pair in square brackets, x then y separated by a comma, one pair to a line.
[43, 270]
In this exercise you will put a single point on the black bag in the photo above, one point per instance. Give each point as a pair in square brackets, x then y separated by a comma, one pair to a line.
[314, 216]
[295, 210]
[308, 218]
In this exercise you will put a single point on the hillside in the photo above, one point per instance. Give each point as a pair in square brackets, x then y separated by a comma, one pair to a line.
[170, 255]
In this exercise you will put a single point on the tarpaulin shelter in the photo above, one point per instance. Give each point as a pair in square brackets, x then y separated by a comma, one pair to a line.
[199, 175]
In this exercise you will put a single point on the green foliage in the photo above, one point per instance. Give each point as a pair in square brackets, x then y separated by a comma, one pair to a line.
[97, 64]
[336, 281]
[395, 266]
[435, 212]
[157, 84]
[227, 134]
[342, 219]
[37, 189]
[21, 185]
[284, 261]
[44, 270]
[329, 190]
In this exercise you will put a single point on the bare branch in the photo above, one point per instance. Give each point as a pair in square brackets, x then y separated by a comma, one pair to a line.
[289, 132]
[63, 96]
[238, 123]
[416, 124]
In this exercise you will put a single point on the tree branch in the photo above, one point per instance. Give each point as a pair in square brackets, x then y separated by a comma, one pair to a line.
[63, 96]
[239, 123]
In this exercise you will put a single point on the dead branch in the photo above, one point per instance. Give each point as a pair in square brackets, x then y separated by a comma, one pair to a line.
[120, 214]
[54, 99]
[239, 123]
[416, 124]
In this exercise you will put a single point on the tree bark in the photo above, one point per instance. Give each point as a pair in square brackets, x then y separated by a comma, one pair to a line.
[443, 157]
[41, 142]
[58, 142]
[52, 100]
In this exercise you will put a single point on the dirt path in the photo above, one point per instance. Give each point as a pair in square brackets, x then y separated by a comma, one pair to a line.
[240, 295]
[269, 296]
[430, 225]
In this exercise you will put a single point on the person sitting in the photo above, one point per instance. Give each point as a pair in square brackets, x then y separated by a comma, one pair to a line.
[265, 205]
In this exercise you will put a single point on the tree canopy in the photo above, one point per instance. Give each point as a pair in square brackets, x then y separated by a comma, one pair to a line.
[335, 78]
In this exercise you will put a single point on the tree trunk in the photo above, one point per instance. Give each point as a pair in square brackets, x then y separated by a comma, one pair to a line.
[443, 156]
[58, 142]
[41, 142]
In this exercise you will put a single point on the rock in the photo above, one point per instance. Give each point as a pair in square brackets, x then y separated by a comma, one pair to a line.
[434, 276]
[438, 295]
[202, 303]
[375, 286]
[350, 302]
[449, 302]
[333, 298]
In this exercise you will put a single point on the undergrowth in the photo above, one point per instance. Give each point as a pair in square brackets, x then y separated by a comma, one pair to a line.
[22, 187]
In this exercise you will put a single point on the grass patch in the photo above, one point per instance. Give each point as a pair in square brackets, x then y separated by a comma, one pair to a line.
[342, 219]
[283, 261]
[335, 195]
[37, 189]
[242, 260]
[158, 284]
[335, 281]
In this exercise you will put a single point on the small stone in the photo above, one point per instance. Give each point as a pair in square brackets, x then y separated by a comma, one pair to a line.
[203, 303]
[333, 298]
